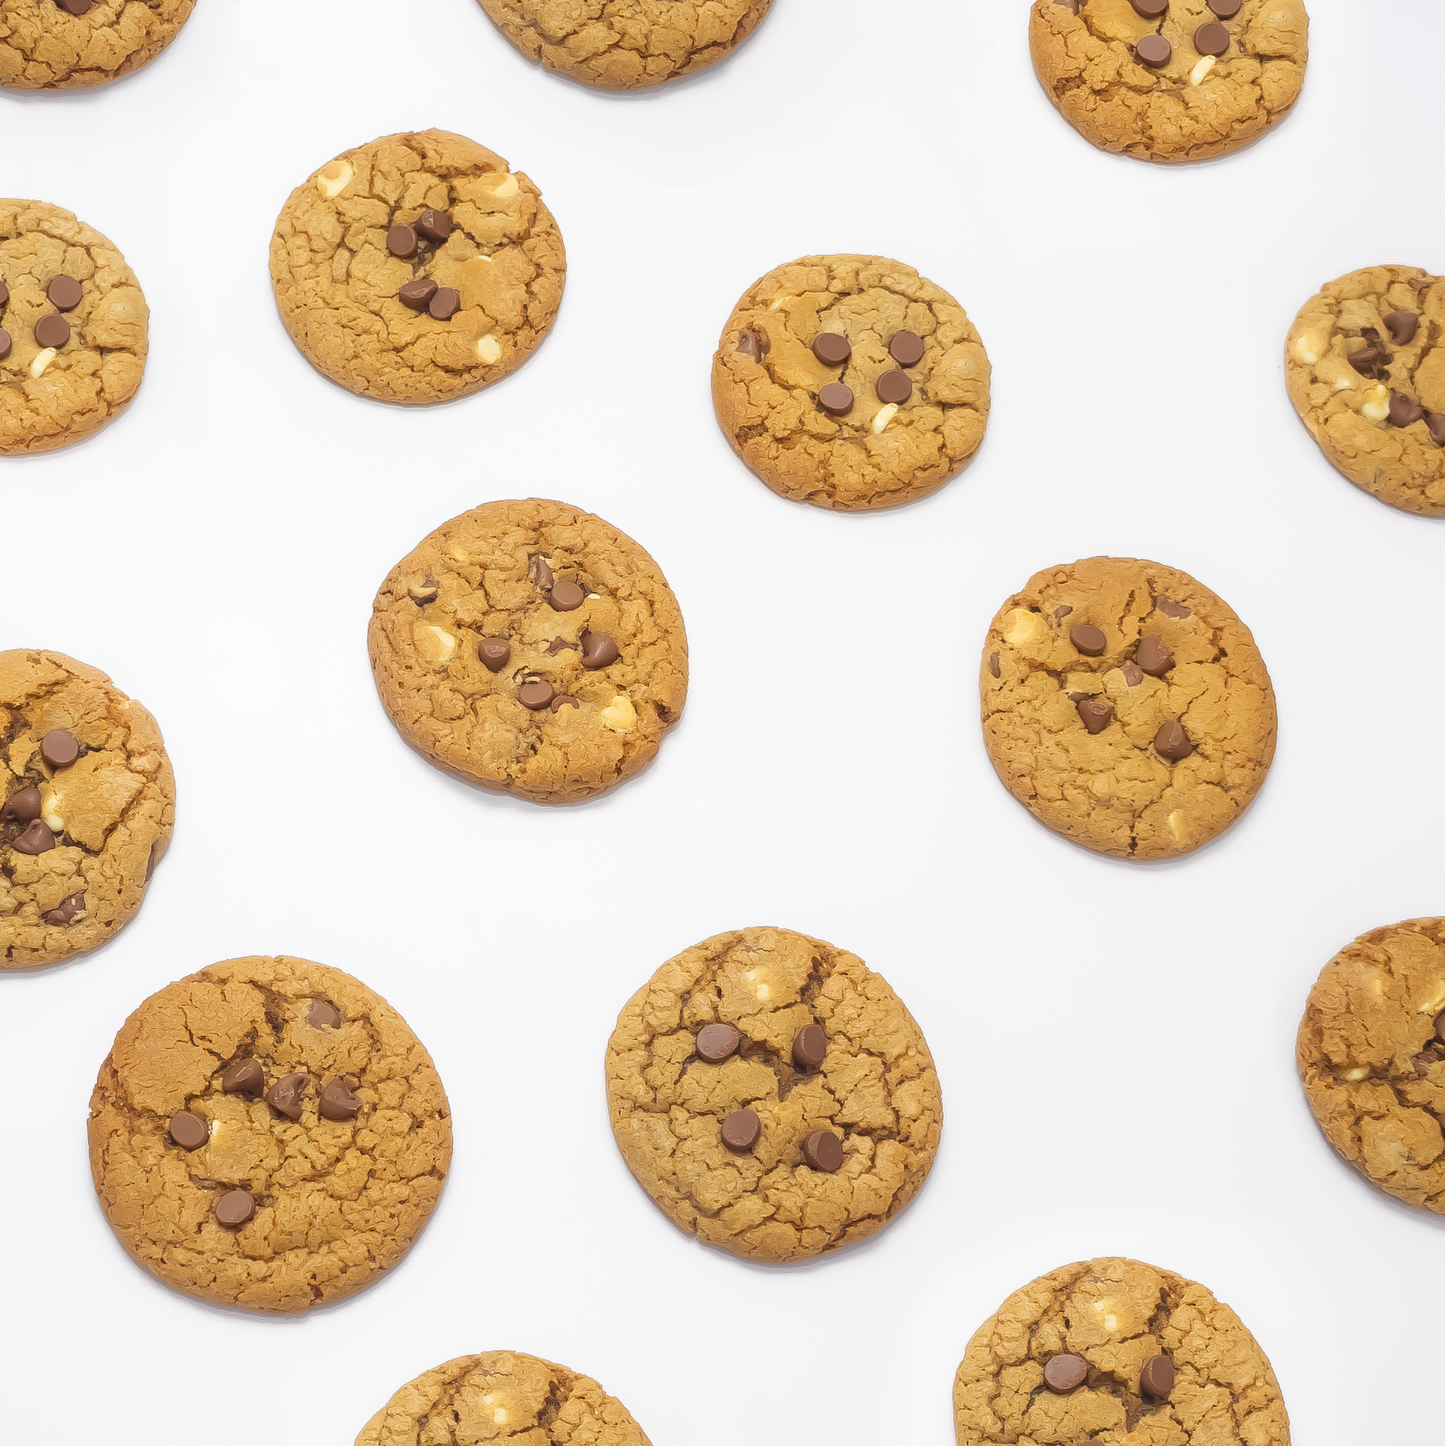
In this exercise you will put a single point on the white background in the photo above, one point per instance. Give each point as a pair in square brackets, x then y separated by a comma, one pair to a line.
[1115, 1041]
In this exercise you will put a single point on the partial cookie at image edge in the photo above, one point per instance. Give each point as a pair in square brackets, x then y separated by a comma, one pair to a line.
[59, 50]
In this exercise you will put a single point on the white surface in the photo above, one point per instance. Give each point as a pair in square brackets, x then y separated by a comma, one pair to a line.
[1115, 1042]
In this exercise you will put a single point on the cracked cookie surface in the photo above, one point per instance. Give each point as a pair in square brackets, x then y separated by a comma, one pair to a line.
[44, 46]
[81, 835]
[530, 647]
[502, 1396]
[1126, 707]
[339, 276]
[1194, 106]
[86, 364]
[1365, 367]
[867, 1080]
[339, 1183]
[1370, 1052]
[1108, 1320]
[769, 385]
[626, 44]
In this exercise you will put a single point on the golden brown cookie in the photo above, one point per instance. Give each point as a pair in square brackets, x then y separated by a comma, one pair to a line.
[268, 1133]
[626, 44]
[773, 1095]
[60, 44]
[1365, 366]
[418, 268]
[1116, 1353]
[851, 382]
[1126, 707]
[1171, 80]
[502, 1396]
[1371, 1053]
[530, 647]
[87, 805]
[73, 328]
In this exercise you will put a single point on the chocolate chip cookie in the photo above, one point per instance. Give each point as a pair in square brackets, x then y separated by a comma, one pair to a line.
[73, 328]
[502, 1396]
[625, 44]
[1171, 80]
[61, 44]
[773, 1095]
[1114, 1351]
[1365, 366]
[1371, 1053]
[268, 1133]
[851, 382]
[419, 268]
[530, 647]
[87, 805]
[1126, 707]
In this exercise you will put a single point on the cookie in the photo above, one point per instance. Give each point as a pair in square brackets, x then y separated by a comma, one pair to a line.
[851, 382]
[1371, 1054]
[530, 647]
[502, 1395]
[1126, 707]
[1170, 80]
[1365, 367]
[419, 268]
[1116, 1353]
[268, 1133]
[772, 1095]
[87, 805]
[73, 328]
[63, 44]
[625, 44]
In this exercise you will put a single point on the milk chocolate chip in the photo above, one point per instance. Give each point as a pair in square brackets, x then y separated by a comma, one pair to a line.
[1402, 326]
[831, 349]
[536, 694]
[235, 1207]
[245, 1077]
[78, 7]
[810, 1047]
[424, 592]
[286, 1094]
[4, 293]
[564, 700]
[435, 225]
[401, 241]
[66, 910]
[993, 666]
[1225, 9]
[1088, 639]
[1063, 1374]
[1172, 742]
[5, 343]
[906, 348]
[189, 1131]
[1367, 361]
[717, 1042]
[566, 596]
[323, 1014]
[418, 294]
[895, 388]
[1171, 609]
[754, 344]
[1436, 425]
[64, 293]
[1151, 9]
[1157, 1377]
[37, 839]
[741, 1129]
[1153, 657]
[1404, 412]
[21, 807]
[339, 1102]
[1133, 674]
[598, 650]
[445, 304]
[1097, 715]
[836, 399]
[495, 653]
[52, 331]
[823, 1150]
[59, 748]
[1211, 38]
[1153, 51]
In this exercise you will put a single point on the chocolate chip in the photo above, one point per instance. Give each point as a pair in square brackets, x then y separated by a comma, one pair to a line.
[598, 649]
[831, 349]
[52, 331]
[445, 304]
[906, 348]
[1061, 612]
[993, 666]
[564, 700]
[67, 909]
[323, 1014]
[823, 1150]
[1088, 639]
[1436, 425]
[245, 1077]
[21, 807]
[37, 839]
[1225, 9]
[1153, 50]
[1440, 1027]
[286, 1094]
[558, 645]
[1096, 715]
[1404, 412]
[401, 241]
[754, 344]
[1063, 1374]
[535, 694]
[1402, 326]
[435, 225]
[810, 1047]
[567, 596]
[5, 343]
[1153, 657]
[895, 388]
[189, 1131]
[339, 1102]
[59, 748]
[1171, 609]
[836, 399]
[425, 592]
[1367, 361]
[78, 7]
[717, 1042]
[4, 293]
[418, 294]
[538, 573]
[1151, 9]
[495, 653]
[1171, 741]
[1430, 1055]
[1133, 674]
[741, 1129]
[64, 293]
[1157, 1377]
[1211, 38]
[235, 1207]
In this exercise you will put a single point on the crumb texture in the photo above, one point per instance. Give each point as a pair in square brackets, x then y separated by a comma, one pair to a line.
[336, 1201]
[1194, 107]
[1117, 1315]
[502, 1396]
[1380, 419]
[766, 382]
[626, 44]
[52, 396]
[1370, 1054]
[44, 47]
[1114, 791]
[876, 1088]
[110, 812]
[338, 283]
[497, 575]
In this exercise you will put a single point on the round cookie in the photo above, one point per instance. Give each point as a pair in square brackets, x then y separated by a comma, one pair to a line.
[851, 382]
[417, 269]
[626, 44]
[502, 1394]
[1185, 80]
[63, 44]
[530, 647]
[772, 1095]
[1371, 1054]
[73, 328]
[87, 805]
[268, 1133]
[1365, 367]
[1126, 707]
[1105, 1352]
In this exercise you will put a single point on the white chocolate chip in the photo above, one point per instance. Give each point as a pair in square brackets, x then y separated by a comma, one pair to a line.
[489, 350]
[763, 991]
[1205, 64]
[1435, 1004]
[885, 415]
[619, 715]
[42, 360]
[751, 975]
[499, 1416]
[1022, 627]
[777, 303]
[459, 553]
[50, 811]
[505, 189]
[1309, 347]
[1355, 1075]
[1178, 825]
[332, 179]
[435, 645]
[1376, 406]
[1111, 1322]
